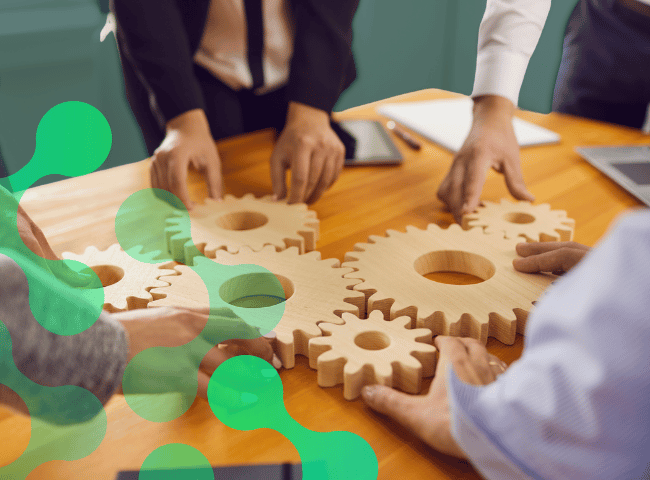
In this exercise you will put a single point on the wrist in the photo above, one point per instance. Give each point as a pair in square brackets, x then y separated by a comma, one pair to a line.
[493, 108]
[299, 112]
[189, 122]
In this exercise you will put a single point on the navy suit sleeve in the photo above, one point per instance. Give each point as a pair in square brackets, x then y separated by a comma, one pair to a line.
[322, 65]
[153, 39]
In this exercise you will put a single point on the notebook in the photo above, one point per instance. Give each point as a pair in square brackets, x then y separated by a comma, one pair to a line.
[448, 122]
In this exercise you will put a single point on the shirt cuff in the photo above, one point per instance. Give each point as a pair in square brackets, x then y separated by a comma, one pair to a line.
[481, 450]
[500, 72]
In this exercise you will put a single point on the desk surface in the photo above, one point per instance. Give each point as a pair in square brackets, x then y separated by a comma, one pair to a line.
[79, 212]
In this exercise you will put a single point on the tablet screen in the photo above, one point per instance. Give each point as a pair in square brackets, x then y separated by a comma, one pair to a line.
[373, 144]
[638, 172]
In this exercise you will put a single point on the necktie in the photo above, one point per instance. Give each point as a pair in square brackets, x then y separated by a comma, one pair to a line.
[255, 28]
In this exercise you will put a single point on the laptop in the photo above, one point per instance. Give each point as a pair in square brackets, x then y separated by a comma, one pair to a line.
[629, 166]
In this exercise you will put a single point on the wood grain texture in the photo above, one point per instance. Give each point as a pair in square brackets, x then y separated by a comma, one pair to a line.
[364, 201]
[393, 270]
[247, 221]
[372, 351]
[315, 292]
[126, 281]
[535, 223]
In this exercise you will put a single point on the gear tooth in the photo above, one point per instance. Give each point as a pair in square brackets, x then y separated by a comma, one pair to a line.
[402, 322]
[248, 196]
[433, 227]
[411, 229]
[373, 239]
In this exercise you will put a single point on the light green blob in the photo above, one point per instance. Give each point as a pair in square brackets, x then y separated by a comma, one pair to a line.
[68, 422]
[176, 461]
[245, 393]
[246, 301]
[73, 138]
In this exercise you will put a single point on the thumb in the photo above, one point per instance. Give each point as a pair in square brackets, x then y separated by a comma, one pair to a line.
[399, 406]
[278, 174]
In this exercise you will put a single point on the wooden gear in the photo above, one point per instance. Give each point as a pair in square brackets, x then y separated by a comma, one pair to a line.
[365, 352]
[232, 223]
[392, 269]
[536, 223]
[315, 290]
[126, 280]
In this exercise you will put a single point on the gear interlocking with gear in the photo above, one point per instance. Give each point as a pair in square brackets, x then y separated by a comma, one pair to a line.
[233, 223]
[536, 223]
[372, 351]
[315, 291]
[393, 269]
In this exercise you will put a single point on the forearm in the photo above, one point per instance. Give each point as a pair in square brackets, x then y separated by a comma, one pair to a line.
[508, 35]
[93, 359]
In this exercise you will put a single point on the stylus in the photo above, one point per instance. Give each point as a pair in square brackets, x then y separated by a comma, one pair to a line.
[410, 141]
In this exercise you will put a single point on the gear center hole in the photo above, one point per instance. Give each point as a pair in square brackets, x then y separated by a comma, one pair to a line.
[108, 274]
[256, 290]
[518, 217]
[242, 220]
[372, 340]
[454, 267]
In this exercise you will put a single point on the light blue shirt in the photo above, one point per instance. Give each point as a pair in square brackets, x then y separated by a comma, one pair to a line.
[576, 405]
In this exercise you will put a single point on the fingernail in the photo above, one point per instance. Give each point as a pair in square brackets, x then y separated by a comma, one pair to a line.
[368, 393]
[274, 198]
[276, 362]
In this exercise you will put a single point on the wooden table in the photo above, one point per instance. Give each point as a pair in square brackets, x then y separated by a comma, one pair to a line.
[79, 212]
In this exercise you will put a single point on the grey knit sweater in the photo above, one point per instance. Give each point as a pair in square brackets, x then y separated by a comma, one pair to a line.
[94, 359]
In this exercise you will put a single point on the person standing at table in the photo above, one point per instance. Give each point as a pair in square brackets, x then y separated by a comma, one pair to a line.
[576, 405]
[604, 75]
[201, 70]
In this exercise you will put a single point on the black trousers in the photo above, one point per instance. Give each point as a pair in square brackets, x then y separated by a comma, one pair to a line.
[229, 112]
[605, 68]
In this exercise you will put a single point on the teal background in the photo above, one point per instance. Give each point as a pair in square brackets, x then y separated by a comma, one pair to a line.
[50, 53]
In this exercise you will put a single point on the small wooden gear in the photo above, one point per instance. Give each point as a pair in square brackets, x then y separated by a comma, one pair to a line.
[372, 351]
[315, 292]
[126, 281]
[536, 223]
[392, 269]
[233, 222]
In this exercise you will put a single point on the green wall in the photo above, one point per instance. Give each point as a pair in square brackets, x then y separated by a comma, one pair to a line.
[50, 53]
[401, 46]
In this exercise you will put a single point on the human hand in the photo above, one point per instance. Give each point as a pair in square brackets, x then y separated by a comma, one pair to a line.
[428, 416]
[188, 142]
[33, 237]
[312, 150]
[491, 143]
[173, 327]
[555, 257]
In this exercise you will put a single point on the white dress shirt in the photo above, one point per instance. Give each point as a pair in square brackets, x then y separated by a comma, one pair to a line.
[576, 405]
[507, 38]
[223, 47]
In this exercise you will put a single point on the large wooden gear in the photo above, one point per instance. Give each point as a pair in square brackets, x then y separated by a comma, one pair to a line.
[536, 223]
[372, 351]
[392, 269]
[126, 281]
[233, 222]
[315, 289]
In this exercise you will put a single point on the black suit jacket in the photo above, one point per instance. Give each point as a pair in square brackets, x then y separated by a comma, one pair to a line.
[160, 37]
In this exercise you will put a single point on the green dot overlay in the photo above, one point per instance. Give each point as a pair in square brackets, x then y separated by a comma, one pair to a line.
[245, 393]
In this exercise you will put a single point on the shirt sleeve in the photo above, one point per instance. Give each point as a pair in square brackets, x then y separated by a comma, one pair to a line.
[94, 359]
[507, 38]
[576, 404]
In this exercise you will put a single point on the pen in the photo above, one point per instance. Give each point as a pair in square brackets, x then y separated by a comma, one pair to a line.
[410, 141]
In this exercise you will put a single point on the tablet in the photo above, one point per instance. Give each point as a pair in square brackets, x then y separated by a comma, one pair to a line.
[373, 145]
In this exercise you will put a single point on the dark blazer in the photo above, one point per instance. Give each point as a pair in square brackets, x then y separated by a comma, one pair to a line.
[158, 39]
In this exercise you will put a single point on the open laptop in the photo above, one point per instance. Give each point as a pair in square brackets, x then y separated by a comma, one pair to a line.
[629, 166]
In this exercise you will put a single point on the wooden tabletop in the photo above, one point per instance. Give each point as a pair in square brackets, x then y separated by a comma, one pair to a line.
[365, 201]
